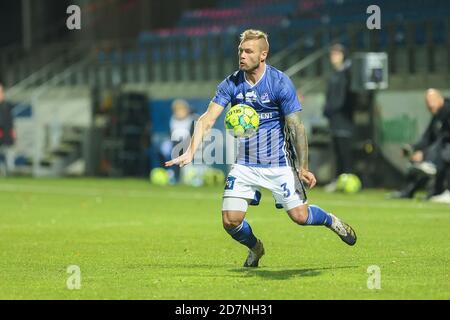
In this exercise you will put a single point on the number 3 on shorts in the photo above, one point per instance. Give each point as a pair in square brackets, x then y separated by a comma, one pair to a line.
[286, 193]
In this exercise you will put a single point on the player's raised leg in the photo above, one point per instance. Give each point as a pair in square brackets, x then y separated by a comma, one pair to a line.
[302, 213]
[234, 223]
[290, 192]
[311, 215]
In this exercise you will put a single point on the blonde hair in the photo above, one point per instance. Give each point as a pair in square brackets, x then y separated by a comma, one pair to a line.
[252, 34]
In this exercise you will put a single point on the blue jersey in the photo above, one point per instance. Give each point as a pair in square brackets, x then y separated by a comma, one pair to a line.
[273, 97]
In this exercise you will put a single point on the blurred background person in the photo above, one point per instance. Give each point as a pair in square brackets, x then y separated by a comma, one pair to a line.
[431, 155]
[338, 110]
[181, 129]
[7, 134]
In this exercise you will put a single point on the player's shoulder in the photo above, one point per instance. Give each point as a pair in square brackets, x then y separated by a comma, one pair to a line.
[233, 79]
[280, 81]
[277, 76]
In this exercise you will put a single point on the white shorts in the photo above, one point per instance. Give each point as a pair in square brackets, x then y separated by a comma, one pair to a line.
[245, 182]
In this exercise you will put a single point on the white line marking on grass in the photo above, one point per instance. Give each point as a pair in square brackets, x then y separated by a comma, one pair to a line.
[92, 192]
[94, 225]
[198, 195]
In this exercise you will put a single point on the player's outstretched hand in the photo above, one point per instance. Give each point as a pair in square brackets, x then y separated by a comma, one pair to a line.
[307, 177]
[182, 160]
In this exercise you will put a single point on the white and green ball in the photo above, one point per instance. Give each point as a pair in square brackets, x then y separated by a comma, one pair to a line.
[159, 177]
[242, 121]
[348, 183]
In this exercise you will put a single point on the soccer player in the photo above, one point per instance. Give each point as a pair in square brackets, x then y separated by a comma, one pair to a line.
[280, 165]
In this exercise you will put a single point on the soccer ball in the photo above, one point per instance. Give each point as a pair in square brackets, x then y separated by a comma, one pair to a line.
[242, 121]
[348, 183]
[159, 177]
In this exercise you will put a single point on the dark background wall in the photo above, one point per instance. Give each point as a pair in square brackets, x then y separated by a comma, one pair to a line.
[10, 22]
[101, 19]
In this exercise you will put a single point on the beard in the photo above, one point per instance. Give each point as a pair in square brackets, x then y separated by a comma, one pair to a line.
[249, 68]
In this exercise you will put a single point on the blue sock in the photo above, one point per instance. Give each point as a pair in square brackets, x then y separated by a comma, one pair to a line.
[316, 216]
[243, 234]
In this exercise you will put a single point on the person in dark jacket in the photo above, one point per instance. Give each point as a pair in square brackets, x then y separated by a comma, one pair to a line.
[431, 155]
[338, 110]
[7, 134]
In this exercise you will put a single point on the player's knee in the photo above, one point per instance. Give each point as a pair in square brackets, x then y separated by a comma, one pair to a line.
[299, 214]
[230, 220]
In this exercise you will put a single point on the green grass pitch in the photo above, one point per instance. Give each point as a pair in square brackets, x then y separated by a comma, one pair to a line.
[132, 240]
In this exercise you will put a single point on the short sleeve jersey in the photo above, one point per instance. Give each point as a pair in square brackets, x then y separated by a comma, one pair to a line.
[273, 97]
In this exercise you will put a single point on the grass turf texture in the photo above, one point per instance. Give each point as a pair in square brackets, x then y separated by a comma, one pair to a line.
[132, 240]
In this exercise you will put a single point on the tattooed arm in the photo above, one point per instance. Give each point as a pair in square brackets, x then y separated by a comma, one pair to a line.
[298, 137]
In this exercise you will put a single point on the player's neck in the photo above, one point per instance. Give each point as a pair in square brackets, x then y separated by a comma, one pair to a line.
[255, 75]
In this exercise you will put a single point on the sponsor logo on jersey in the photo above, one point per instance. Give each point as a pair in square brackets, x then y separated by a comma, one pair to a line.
[251, 96]
[265, 98]
[266, 115]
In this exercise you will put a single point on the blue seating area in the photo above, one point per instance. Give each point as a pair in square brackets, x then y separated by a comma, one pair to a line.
[302, 15]
[212, 33]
